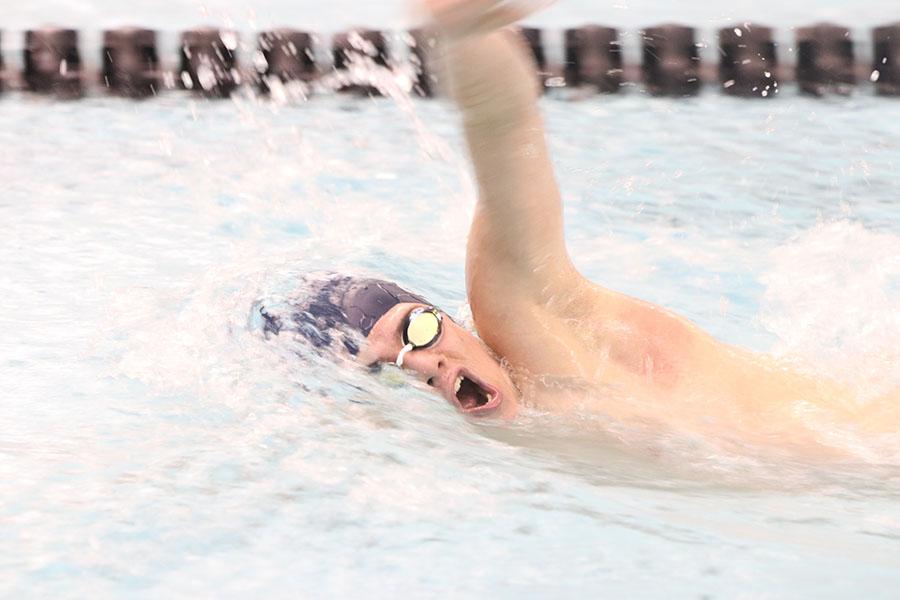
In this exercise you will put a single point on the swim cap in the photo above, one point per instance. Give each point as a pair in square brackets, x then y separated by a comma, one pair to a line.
[328, 304]
[366, 301]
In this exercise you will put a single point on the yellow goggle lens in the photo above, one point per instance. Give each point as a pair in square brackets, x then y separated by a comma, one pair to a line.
[422, 329]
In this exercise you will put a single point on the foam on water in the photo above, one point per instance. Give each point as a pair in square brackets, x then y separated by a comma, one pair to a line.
[832, 297]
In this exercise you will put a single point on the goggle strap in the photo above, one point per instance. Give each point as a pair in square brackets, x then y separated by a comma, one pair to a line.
[402, 354]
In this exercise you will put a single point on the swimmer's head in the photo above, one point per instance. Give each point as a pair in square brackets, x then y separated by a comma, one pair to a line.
[375, 321]
[428, 344]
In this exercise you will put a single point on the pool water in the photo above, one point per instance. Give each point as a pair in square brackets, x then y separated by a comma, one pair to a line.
[154, 444]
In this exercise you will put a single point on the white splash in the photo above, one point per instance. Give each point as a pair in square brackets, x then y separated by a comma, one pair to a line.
[833, 297]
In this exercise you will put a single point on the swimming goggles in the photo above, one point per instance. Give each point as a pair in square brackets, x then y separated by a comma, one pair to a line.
[423, 329]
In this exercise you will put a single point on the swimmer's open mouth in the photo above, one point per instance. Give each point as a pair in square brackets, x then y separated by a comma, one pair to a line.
[474, 397]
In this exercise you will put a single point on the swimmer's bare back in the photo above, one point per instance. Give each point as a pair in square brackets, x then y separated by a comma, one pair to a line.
[532, 307]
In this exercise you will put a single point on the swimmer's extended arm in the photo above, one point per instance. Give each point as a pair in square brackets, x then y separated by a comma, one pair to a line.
[516, 245]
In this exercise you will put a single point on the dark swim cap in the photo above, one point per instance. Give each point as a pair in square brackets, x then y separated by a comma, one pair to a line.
[330, 304]
[366, 301]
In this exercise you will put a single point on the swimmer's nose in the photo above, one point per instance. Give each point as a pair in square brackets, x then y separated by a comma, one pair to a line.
[426, 364]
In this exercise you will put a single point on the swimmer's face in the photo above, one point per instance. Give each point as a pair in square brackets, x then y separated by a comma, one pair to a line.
[457, 365]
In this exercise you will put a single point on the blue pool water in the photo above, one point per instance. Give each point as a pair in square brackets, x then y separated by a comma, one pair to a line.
[153, 444]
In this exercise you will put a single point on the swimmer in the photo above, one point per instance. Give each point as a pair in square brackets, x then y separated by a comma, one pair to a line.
[544, 329]
[334, 311]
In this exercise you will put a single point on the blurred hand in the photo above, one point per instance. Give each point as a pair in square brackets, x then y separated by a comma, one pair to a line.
[463, 18]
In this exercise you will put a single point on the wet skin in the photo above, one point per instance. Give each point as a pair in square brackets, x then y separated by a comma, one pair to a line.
[485, 389]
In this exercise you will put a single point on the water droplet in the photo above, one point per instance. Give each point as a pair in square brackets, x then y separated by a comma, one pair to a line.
[260, 62]
[229, 39]
[206, 77]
